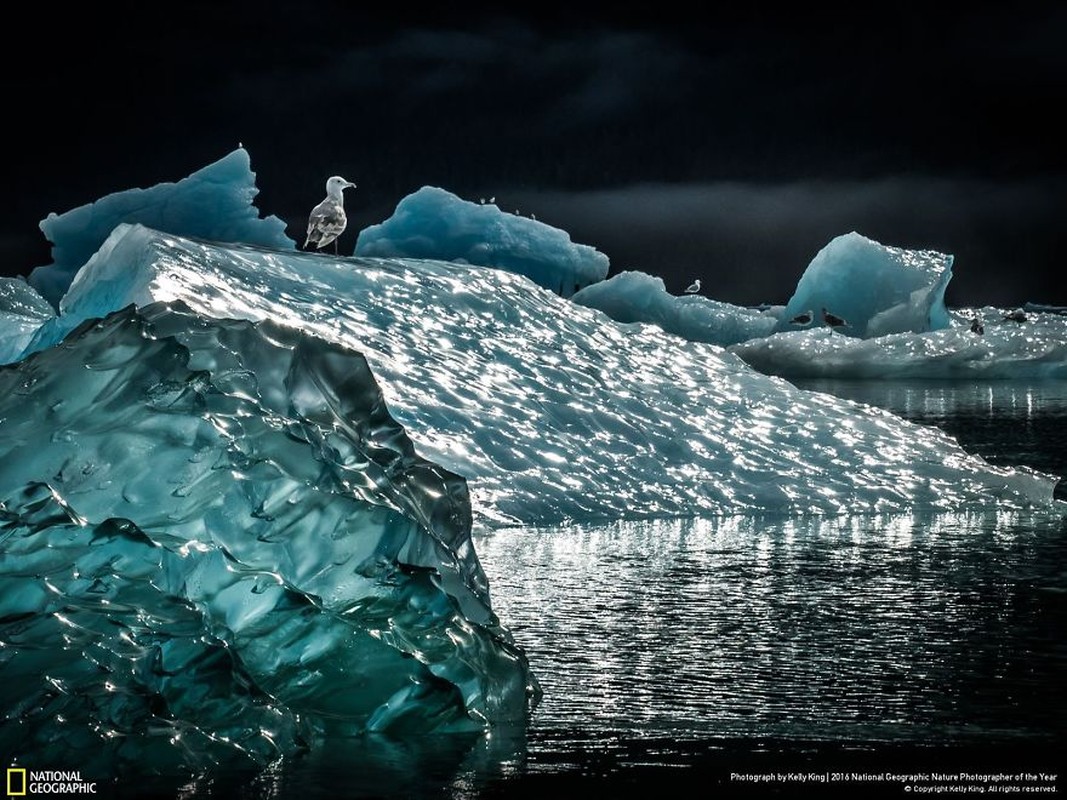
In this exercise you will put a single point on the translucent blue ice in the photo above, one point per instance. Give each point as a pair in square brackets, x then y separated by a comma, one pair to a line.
[553, 411]
[217, 543]
[22, 312]
[876, 289]
[434, 223]
[638, 297]
[214, 202]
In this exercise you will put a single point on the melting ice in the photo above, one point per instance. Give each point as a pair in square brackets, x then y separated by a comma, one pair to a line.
[237, 481]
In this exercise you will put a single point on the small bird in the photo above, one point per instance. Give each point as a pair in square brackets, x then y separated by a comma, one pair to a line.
[802, 319]
[833, 320]
[327, 220]
[694, 287]
[977, 326]
[1018, 315]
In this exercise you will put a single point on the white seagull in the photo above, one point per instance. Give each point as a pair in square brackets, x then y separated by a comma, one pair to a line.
[327, 220]
[694, 287]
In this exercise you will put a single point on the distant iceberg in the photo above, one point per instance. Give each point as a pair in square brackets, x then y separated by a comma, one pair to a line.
[893, 301]
[434, 223]
[217, 543]
[215, 203]
[1034, 350]
[638, 297]
[877, 289]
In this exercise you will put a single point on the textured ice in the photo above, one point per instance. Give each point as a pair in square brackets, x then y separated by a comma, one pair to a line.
[877, 289]
[551, 410]
[22, 312]
[217, 543]
[1035, 349]
[433, 223]
[214, 202]
[638, 297]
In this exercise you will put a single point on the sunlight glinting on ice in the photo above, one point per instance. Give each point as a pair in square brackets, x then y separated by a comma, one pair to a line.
[679, 427]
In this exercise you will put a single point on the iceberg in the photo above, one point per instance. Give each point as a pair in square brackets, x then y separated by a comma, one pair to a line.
[893, 300]
[552, 411]
[1007, 350]
[218, 544]
[877, 289]
[637, 297]
[22, 312]
[436, 224]
[215, 202]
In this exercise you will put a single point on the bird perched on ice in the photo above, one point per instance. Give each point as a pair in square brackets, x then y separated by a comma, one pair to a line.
[327, 220]
[802, 319]
[1018, 315]
[694, 287]
[977, 326]
[833, 320]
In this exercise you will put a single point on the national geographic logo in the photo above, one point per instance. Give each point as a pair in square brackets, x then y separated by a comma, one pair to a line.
[22, 782]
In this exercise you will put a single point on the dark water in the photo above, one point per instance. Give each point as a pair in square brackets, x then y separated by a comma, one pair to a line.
[764, 656]
[1007, 423]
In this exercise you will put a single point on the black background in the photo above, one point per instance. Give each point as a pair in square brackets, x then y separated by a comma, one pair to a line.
[729, 147]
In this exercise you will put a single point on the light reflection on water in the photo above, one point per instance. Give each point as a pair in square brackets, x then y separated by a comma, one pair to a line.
[876, 628]
[723, 644]
[1009, 423]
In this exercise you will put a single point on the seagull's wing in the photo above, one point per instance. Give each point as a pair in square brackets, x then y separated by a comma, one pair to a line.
[326, 222]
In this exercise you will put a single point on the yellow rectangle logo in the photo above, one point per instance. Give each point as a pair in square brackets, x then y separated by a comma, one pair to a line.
[13, 776]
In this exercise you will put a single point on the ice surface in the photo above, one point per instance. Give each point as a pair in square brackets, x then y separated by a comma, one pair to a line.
[1035, 349]
[22, 312]
[214, 202]
[638, 297]
[551, 410]
[877, 289]
[433, 223]
[218, 543]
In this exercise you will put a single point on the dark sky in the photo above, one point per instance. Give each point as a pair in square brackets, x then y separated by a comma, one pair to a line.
[730, 148]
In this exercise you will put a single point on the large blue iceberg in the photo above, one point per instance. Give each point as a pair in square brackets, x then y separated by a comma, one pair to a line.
[218, 543]
[214, 202]
[434, 223]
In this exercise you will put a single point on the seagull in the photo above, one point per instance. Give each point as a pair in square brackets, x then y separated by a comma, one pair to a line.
[977, 327]
[802, 319]
[694, 287]
[832, 320]
[1018, 315]
[327, 220]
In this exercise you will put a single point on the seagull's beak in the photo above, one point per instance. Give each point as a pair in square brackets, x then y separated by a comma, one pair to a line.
[349, 185]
